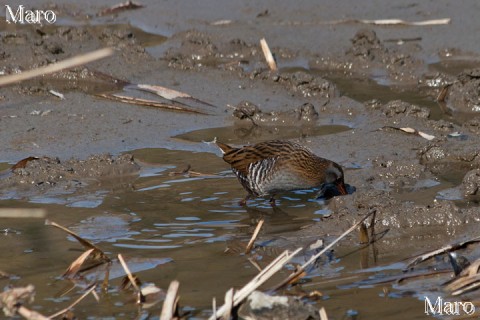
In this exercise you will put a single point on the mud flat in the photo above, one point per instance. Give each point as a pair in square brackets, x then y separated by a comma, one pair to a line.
[397, 105]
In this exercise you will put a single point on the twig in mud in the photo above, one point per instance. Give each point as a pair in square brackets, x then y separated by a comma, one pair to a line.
[75, 266]
[302, 268]
[141, 298]
[167, 93]
[467, 280]
[147, 103]
[229, 303]
[243, 112]
[323, 314]
[57, 94]
[171, 300]
[411, 131]
[374, 22]
[256, 282]
[128, 5]
[254, 236]
[447, 248]
[84, 242]
[255, 264]
[190, 173]
[214, 307]
[58, 66]
[268, 55]
[443, 93]
[74, 303]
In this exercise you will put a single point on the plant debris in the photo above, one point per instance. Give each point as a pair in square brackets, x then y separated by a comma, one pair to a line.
[128, 5]
[411, 131]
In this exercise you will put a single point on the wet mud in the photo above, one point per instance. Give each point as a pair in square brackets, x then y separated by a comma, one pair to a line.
[397, 106]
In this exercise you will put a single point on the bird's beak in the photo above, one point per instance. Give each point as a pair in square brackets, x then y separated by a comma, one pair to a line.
[341, 188]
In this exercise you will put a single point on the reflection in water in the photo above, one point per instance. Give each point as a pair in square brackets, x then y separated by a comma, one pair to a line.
[250, 133]
[162, 215]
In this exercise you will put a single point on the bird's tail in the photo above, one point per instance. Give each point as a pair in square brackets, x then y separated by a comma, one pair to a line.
[224, 147]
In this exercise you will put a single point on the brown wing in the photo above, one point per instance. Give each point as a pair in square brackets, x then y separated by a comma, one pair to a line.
[241, 158]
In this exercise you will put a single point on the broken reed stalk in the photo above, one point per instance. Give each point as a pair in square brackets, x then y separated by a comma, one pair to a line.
[129, 274]
[31, 315]
[58, 66]
[76, 265]
[170, 303]
[450, 247]
[214, 307]
[83, 242]
[147, 103]
[256, 282]
[302, 268]
[323, 314]
[22, 213]
[229, 303]
[74, 303]
[268, 55]
[254, 236]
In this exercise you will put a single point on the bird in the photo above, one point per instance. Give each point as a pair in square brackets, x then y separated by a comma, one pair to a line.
[278, 166]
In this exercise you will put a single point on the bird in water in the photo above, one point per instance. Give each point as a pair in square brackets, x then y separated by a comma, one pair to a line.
[277, 166]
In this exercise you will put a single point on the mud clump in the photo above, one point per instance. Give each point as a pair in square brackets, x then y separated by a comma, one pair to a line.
[45, 173]
[262, 306]
[464, 94]
[197, 50]
[471, 183]
[397, 107]
[366, 45]
[301, 115]
[371, 57]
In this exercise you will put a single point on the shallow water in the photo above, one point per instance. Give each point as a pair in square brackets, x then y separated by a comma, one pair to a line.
[167, 215]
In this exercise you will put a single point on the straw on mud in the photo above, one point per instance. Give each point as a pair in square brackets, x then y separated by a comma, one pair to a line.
[229, 303]
[168, 93]
[57, 94]
[214, 307]
[411, 131]
[75, 266]
[254, 236]
[129, 274]
[84, 242]
[74, 303]
[128, 5]
[323, 314]
[170, 303]
[302, 268]
[467, 280]
[58, 66]
[23, 213]
[447, 248]
[406, 23]
[443, 93]
[384, 22]
[256, 282]
[268, 55]
[147, 103]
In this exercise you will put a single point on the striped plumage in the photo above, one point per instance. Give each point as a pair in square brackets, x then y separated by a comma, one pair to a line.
[276, 166]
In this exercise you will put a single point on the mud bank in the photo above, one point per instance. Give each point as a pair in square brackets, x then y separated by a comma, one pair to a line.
[396, 105]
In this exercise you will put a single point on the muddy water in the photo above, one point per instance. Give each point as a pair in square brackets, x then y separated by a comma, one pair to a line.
[192, 219]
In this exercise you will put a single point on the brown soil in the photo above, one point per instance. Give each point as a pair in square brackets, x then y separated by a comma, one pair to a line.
[222, 64]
